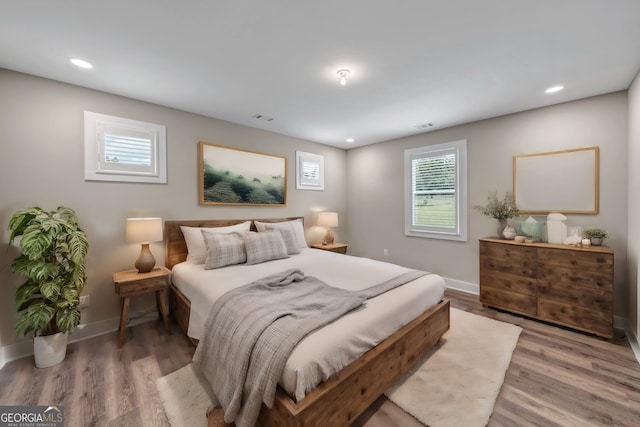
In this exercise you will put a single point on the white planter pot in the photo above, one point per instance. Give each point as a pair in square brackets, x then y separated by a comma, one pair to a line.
[596, 241]
[49, 350]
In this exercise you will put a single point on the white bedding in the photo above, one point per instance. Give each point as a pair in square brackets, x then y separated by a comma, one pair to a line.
[327, 350]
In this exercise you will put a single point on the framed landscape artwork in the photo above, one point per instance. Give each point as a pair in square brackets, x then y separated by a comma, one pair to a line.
[229, 176]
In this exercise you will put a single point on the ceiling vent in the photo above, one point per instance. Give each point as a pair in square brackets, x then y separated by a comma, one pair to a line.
[425, 126]
[262, 117]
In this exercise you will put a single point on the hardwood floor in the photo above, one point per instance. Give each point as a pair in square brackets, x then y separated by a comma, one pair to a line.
[557, 377]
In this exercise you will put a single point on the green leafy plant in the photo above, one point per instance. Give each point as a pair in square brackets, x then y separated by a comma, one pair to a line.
[499, 209]
[595, 233]
[54, 249]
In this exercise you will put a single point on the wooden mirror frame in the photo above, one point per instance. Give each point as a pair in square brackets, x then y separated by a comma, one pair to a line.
[560, 181]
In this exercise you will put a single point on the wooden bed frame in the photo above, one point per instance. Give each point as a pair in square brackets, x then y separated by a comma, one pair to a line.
[348, 393]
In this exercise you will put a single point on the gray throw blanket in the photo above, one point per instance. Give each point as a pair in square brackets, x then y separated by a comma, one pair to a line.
[252, 331]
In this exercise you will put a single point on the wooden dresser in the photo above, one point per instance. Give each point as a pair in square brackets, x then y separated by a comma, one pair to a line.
[561, 284]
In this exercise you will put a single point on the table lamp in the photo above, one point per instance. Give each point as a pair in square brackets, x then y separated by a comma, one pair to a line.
[328, 219]
[143, 231]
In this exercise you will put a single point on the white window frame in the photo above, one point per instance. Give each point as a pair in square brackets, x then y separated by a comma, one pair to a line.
[305, 182]
[459, 232]
[96, 168]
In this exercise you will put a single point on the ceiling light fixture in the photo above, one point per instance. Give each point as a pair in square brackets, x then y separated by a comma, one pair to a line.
[81, 63]
[554, 89]
[343, 74]
[350, 140]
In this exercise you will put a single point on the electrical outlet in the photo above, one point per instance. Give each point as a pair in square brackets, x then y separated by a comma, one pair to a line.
[84, 301]
[385, 252]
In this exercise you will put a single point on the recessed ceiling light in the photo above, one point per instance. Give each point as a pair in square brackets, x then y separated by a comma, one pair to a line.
[81, 63]
[554, 89]
[350, 139]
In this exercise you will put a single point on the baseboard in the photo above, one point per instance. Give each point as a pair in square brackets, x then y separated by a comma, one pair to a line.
[24, 348]
[619, 322]
[459, 285]
[633, 341]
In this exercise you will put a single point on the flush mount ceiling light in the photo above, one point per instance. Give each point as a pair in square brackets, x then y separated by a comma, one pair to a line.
[350, 140]
[343, 74]
[81, 63]
[554, 89]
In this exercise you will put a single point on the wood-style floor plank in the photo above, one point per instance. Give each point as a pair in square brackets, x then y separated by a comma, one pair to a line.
[558, 377]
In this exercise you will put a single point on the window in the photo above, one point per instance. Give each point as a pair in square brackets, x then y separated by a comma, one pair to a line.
[309, 171]
[118, 149]
[435, 191]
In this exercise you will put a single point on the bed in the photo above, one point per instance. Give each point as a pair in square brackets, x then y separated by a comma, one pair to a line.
[340, 396]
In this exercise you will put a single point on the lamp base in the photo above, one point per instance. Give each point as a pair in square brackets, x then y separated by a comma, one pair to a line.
[328, 237]
[145, 261]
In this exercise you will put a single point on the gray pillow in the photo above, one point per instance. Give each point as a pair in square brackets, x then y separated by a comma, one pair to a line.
[223, 249]
[288, 235]
[297, 227]
[265, 246]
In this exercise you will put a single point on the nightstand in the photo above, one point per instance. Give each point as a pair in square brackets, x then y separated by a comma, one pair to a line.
[340, 248]
[130, 283]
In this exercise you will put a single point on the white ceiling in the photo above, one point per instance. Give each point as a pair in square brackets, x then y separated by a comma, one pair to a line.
[412, 62]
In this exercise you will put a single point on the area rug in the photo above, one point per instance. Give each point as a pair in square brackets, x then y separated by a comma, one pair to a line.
[455, 384]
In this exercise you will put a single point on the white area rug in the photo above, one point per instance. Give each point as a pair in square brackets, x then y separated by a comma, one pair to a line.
[455, 384]
[458, 381]
[186, 397]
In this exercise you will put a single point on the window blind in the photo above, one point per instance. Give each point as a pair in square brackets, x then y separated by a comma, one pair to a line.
[434, 191]
[125, 149]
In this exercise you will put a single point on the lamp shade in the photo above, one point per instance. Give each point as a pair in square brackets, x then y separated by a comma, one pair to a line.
[328, 219]
[144, 230]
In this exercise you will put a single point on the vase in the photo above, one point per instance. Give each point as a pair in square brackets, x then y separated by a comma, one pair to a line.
[502, 224]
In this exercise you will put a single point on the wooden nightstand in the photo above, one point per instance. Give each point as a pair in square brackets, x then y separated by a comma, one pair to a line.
[340, 248]
[130, 283]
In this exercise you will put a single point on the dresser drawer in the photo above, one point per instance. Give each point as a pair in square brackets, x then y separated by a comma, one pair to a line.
[594, 321]
[579, 259]
[575, 277]
[588, 298]
[508, 282]
[506, 300]
[507, 253]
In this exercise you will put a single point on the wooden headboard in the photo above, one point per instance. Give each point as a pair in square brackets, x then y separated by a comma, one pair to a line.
[176, 247]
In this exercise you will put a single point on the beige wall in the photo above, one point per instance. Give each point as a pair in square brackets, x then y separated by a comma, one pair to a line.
[375, 177]
[633, 260]
[42, 163]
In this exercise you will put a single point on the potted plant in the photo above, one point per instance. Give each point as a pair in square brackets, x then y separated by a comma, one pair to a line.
[501, 210]
[54, 249]
[596, 235]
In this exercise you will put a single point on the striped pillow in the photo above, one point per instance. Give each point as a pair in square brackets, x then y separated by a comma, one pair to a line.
[288, 235]
[197, 251]
[298, 228]
[265, 246]
[223, 249]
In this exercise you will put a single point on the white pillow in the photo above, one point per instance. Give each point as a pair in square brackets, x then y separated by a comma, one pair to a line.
[298, 229]
[197, 251]
[224, 249]
[265, 246]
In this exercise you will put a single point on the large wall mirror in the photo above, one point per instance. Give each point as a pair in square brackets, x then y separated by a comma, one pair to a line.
[560, 181]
